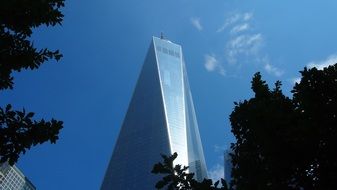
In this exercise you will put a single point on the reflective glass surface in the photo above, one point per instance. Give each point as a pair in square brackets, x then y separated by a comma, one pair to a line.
[143, 136]
[171, 77]
[160, 120]
[12, 178]
[196, 157]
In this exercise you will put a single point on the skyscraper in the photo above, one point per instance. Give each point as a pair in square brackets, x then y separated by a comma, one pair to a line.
[160, 120]
[11, 178]
[228, 166]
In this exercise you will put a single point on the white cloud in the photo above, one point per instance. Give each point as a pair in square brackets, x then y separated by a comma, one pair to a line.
[240, 28]
[237, 17]
[216, 172]
[320, 65]
[196, 23]
[243, 45]
[331, 60]
[229, 21]
[273, 70]
[212, 64]
[246, 41]
[247, 16]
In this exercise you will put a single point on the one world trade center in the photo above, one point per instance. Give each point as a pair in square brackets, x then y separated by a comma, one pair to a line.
[160, 120]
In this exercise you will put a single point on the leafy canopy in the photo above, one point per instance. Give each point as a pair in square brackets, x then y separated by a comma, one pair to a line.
[287, 143]
[177, 178]
[18, 18]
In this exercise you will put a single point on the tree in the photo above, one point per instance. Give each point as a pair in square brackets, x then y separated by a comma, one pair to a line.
[315, 98]
[18, 131]
[287, 143]
[176, 177]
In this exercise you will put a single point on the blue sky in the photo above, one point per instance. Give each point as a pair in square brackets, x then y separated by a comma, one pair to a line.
[104, 44]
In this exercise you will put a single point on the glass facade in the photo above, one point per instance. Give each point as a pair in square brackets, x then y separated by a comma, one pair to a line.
[172, 86]
[160, 120]
[11, 178]
[228, 166]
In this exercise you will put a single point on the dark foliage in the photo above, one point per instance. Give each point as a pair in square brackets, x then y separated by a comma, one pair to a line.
[19, 132]
[176, 177]
[287, 143]
[315, 98]
[18, 18]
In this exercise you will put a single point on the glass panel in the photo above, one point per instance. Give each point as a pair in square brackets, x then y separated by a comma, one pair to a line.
[173, 94]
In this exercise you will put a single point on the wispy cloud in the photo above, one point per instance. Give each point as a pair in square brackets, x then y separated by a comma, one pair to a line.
[235, 18]
[247, 16]
[270, 68]
[196, 23]
[320, 65]
[240, 28]
[243, 41]
[273, 70]
[216, 172]
[330, 60]
[212, 64]
[243, 45]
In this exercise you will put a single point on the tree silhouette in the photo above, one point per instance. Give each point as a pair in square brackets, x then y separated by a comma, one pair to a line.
[315, 98]
[18, 18]
[177, 178]
[287, 143]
